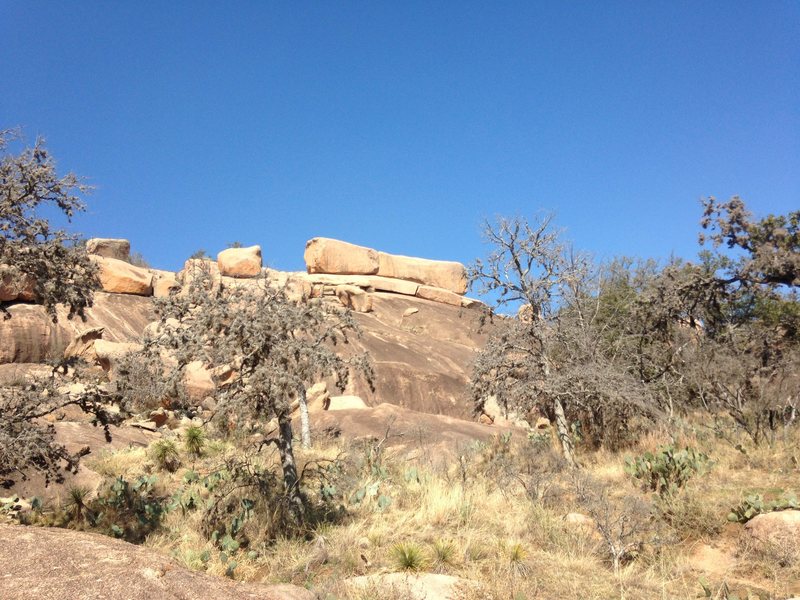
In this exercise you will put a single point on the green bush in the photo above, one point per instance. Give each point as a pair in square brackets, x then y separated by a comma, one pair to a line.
[668, 469]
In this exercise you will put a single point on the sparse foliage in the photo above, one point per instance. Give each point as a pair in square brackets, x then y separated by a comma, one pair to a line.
[49, 264]
[263, 350]
[557, 357]
[28, 444]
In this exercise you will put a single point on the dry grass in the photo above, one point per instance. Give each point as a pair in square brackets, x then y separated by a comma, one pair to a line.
[466, 523]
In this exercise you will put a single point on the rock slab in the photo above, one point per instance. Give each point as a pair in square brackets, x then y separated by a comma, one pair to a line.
[59, 563]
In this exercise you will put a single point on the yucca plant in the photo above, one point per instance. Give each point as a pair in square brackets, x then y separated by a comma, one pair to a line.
[165, 455]
[408, 556]
[516, 555]
[76, 506]
[194, 440]
[444, 552]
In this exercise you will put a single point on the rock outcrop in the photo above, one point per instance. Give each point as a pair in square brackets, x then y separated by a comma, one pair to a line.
[240, 262]
[110, 248]
[30, 336]
[119, 277]
[333, 262]
[60, 563]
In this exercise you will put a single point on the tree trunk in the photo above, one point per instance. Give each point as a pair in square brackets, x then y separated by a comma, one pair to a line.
[562, 428]
[305, 426]
[291, 482]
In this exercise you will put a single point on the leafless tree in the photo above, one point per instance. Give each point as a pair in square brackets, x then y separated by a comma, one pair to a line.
[560, 357]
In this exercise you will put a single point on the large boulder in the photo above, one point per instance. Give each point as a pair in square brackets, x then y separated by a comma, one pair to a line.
[325, 255]
[240, 262]
[109, 248]
[776, 531]
[449, 275]
[59, 563]
[118, 277]
[82, 345]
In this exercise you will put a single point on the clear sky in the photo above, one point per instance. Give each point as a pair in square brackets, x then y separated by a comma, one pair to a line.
[402, 125]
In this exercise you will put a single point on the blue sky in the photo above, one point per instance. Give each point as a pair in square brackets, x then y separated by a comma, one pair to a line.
[402, 125]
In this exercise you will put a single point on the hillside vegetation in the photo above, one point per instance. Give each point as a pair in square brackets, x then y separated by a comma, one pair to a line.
[617, 430]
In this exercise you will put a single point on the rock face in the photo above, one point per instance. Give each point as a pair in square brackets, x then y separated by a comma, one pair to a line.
[444, 274]
[118, 277]
[109, 248]
[422, 360]
[240, 262]
[345, 403]
[354, 298]
[30, 336]
[59, 563]
[16, 288]
[325, 255]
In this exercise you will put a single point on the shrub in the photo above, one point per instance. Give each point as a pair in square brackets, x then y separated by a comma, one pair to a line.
[443, 553]
[76, 505]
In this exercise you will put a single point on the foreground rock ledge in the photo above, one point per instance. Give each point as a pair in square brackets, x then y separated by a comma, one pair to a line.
[59, 563]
